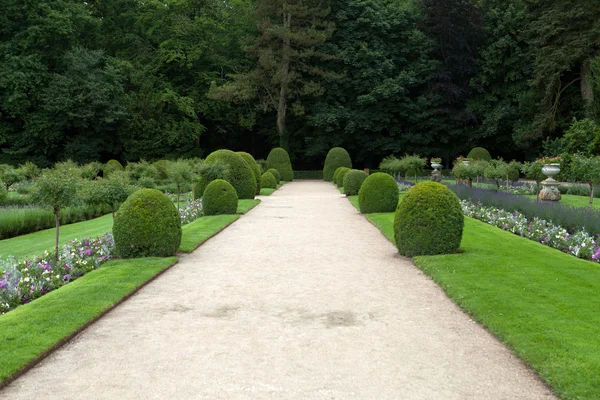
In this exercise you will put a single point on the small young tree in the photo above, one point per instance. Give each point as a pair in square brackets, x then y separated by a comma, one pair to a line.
[413, 164]
[9, 176]
[393, 166]
[533, 170]
[56, 190]
[465, 172]
[496, 170]
[112, 191]
[180, 174]
[29, 170]
[585, 169]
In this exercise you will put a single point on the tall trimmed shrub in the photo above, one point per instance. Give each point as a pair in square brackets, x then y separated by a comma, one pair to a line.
[239, 175]
[428, 221]
[253, 166]
[338, 176]
[147, 225]
[275, 174]
[219, 198]
[353, 181]
[479, 153]
[267, 180]
[337, 157]
[378, 193]
[280, 160]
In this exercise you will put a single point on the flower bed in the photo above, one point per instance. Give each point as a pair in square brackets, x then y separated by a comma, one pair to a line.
[578, 243]
[191, 212]
[25, 280]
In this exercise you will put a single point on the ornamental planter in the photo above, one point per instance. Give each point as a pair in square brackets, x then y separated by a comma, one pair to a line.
[550, 191]
[436, 165]
[436, 175]
[466, 162]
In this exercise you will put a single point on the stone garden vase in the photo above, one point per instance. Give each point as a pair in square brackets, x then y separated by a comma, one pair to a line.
[551, 170]
[550, 191]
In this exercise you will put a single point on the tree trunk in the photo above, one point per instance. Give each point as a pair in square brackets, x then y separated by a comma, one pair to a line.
[587, 92]
[57, 220]
[177, 198]
[285, 69]
[591, 193]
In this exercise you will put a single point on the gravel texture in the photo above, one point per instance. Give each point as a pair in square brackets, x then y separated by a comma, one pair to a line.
[302, 298]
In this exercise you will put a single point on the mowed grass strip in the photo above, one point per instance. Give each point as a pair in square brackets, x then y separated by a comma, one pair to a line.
[266, 191]
[541, 302]
[34, 244]
[33, 329]
[199, 231]
[246, 205]
[574, 200]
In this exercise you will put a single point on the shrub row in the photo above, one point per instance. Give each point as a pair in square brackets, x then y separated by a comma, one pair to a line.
[308, 174]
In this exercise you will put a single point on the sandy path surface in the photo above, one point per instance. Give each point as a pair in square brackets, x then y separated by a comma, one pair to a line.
[300, 299]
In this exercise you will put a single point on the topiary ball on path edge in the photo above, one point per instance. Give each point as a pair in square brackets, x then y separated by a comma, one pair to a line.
[340, 175]
[353, 181]
[240, 175]
[253, 166]
[147, 225]
[428, 221]
[337, 157]
[275, 174]
[378, 193]
[267, 180]
[279, 159]
[219, 198]
[479, 153]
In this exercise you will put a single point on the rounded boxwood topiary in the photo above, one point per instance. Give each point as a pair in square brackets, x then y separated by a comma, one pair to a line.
[147, 225]
[479, 153]
[239, 174]
[337, 157]
[428, 221]
[353, 181]
[341, 173]
[276, 174]
[219, 198]
[378, 193]
[335, 175]
[267, 180]
[253, 166]
[279, 159]
[112, 166]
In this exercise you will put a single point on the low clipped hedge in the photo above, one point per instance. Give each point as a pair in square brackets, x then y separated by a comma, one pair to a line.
[479, 153]
[219, 197]
[253, 166]
[339, 175]
[267, 180]
[240, 175]
[147, 225]
[308, 174]
[279, 159]
[275, 174]
[378, 193]
[353, 181]
[428, 221]
[337, 157]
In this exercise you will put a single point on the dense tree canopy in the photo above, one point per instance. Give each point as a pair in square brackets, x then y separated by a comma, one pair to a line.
[159, 79]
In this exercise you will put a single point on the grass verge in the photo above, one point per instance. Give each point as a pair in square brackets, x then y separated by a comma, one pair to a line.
[33, 330]
[199, 231]
[541, 302]
[266, 191]
[246, 205]
[574, 200]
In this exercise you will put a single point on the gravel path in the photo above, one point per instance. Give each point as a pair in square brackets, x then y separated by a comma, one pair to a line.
[300, 299]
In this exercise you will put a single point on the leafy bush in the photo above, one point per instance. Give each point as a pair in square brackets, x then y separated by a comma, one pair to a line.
[107, 191]
[428, 221]
[219, 198]
[162, 170]
[378, 193]
[147, 225]
[353, 181]
[141, 169]
[267, 180]
[479, 153]
[208, 173]
[280, 160]
[29, 170]
[146, 182]
[275, 174]
[263, 165]
[239, 174]
[112, 166]
[583, 137]
[338, 176]
[253, 166]
[337, 157]
[3, 192]
[9, 176]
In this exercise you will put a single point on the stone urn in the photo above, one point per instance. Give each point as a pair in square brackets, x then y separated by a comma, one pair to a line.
[550, 191]
[466, 162]
[435, 165]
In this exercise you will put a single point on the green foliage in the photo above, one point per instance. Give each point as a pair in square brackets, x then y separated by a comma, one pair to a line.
[336, 174]
[254, 167]
[112, 166]
[141, 169]
[353, 181]
[309, 174]
[29, 170]
[267, 180]
[462, 171]
[275, 174]
[337, 157]
[3, 192]
[239, 175]
[339, 175]
[208, 172]
[162, 170]
[583, 137]
[263, 165]
[90, 170]
[428, 221]
[219, 197]
[479, 153]
[9, 175]
[584, 169]
[378, 193]
[110, 191]
[147, 225]
[279, 159]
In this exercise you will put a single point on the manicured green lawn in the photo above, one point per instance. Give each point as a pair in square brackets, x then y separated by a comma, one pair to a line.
[541, 302]
[574, 200]
[29, 331]
[246, 205]
[266, 191]
[34, 244]
[199, 231]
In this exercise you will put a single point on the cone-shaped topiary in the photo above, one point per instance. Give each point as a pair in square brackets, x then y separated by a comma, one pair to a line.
[479, 153]
[339, 176]
[147, 225]
[353, 181]
[219, 198]
[428, 221]
[253, 166]
[112, 166]
[239, 174]
[378, 193]
[337, 157]
[267, 180]
[279, 159]
[275, 174]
